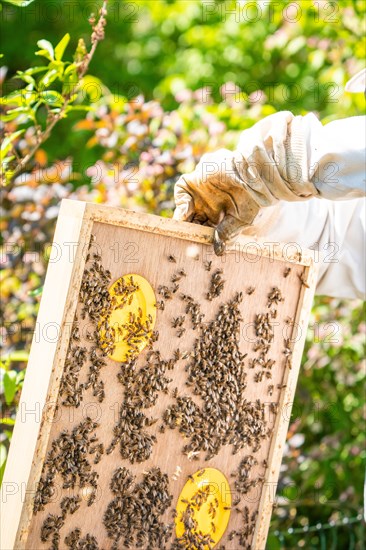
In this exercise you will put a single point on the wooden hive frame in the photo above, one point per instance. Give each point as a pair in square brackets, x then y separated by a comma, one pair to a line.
[46, 361]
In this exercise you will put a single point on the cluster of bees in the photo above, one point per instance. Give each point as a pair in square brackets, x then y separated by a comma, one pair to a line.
[216, 373]
[97, 304]
[75, 541]
[133, 517]
[141, 389]
[193, 538]
[70, 458]
[245, 534]
[244, 481]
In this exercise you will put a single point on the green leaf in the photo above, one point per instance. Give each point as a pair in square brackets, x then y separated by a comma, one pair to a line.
[6, 160]
[52, 98]
[13, 114]
[46, 49]
[3, 456]
[20, 378]
[10, 386]
[25, 77]
[35, 70]
[48, 78]
[273, 542]
[19, 355]
[93, 87]
[36, 292]
[19, 3]
[61, 46]
[70, 79]
[7, 421]
[20, 98]
[70, 108]
[7, 143]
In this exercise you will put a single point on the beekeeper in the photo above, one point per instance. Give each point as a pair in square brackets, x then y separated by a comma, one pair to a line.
[291, 179]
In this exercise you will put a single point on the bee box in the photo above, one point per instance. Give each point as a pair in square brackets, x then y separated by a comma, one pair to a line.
[170, 427]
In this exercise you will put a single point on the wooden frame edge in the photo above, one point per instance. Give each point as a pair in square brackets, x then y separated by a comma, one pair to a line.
[284, 410]
[36, 408]
[198, 233]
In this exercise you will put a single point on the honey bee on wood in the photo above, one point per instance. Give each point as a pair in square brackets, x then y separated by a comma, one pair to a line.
[303, 281]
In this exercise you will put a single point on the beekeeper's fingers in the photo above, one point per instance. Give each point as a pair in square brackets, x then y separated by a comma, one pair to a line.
[227, 229]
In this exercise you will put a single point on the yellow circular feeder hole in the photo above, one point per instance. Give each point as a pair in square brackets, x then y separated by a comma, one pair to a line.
[207, 496]
[141, 302]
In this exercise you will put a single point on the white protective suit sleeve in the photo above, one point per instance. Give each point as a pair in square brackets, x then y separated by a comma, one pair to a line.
[298, 158]
[334, 231]
[294, 158]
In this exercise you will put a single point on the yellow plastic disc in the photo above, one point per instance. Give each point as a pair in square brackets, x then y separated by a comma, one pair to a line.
[208, 497]
[141, 301]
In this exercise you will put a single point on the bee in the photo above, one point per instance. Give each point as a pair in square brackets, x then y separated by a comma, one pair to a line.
[174, 288]
[236, 501]
[165, 292]
[178, 321]
[287, 272]
[250, 290]
[176, 355]
[303, 282]
[258, 376]
[172, 259]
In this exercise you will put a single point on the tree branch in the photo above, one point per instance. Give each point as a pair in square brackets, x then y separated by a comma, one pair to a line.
[96, 37]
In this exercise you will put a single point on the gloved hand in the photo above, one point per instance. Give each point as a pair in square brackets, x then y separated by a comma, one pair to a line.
[215, 194]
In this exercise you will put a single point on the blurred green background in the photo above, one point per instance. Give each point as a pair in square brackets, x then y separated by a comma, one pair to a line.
[172, 80]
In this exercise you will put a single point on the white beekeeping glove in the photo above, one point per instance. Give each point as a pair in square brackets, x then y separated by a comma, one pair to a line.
[215, 194]
[282, 157]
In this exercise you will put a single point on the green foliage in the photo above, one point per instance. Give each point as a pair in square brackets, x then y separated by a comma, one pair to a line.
[19, 3]
[324, 465]
[3, 457]
[152, 118]
[40, 103]
[157, 49]
[11, 382]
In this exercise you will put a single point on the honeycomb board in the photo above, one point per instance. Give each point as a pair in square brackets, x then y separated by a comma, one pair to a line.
[131, 242]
